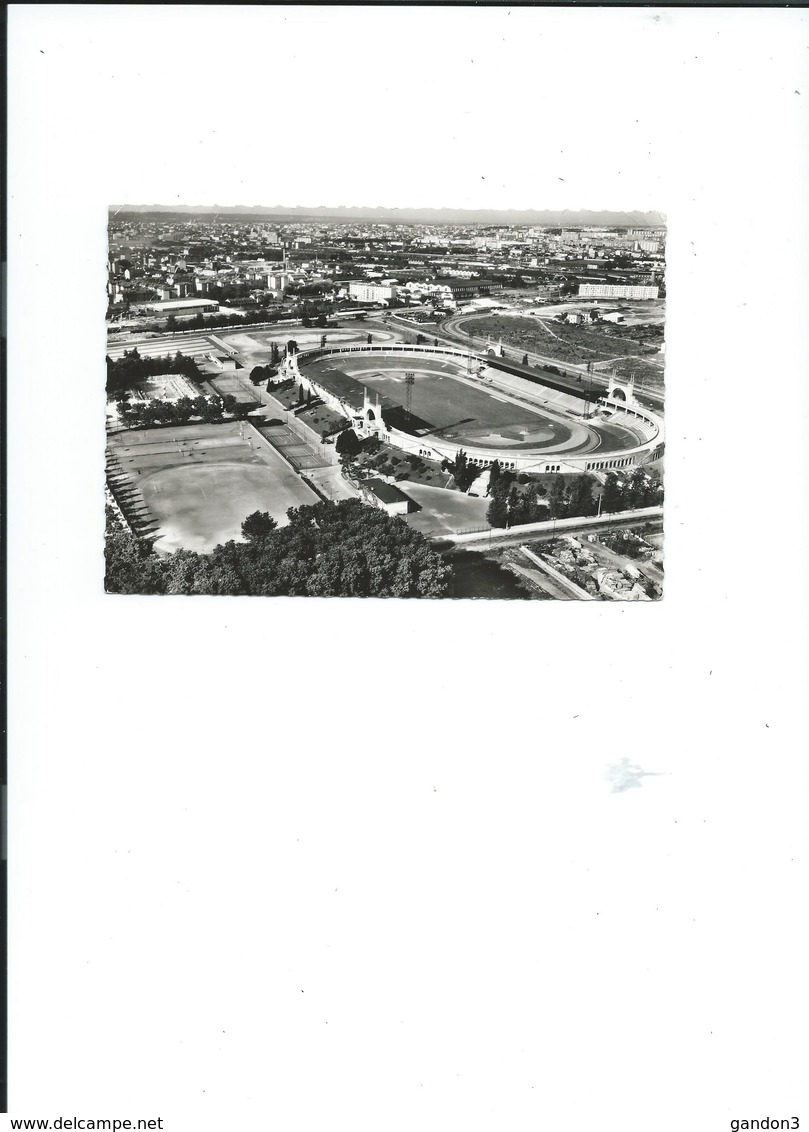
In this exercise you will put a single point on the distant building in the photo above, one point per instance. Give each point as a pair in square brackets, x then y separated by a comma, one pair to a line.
[184, 306]
[617, 291]
[372, 292]
[278, 281]
[470, 288]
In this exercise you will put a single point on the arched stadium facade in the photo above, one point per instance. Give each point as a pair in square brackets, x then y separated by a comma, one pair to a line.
[514, 421]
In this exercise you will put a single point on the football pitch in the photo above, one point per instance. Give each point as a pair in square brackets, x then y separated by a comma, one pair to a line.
[199, 482]
[443, 401]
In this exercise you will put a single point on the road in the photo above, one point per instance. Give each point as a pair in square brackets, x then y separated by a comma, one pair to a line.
[567, 584]
[540, 532]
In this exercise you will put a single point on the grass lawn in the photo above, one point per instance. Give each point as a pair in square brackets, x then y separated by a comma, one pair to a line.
[574, 344]
[647, 375]
[287, 397]
[392, 461]
[321, 417]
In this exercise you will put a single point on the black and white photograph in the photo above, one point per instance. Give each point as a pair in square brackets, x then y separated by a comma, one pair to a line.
[385, 403]
[341, 306]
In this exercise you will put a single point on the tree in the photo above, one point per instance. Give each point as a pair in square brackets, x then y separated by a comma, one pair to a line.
[327, 549]
[369, 339]
[497, 513]
[612, 495]
[258, 525]
[556, 499]
[464, 473]
[637, 489]
[132, 567]
[348, 443]
[494, 476]
[580, 497]
[525, 359]
[212, 411]
[514, 507]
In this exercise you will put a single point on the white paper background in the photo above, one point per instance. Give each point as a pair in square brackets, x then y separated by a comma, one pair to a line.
[305, 864]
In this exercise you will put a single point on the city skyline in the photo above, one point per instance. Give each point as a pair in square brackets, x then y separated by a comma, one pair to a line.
[417, 215]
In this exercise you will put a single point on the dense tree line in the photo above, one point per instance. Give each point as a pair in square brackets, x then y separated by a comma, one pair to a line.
[326, 550]
[510, 505]
[571, 499]
[568, 497]
[133, 369]
[638, 490]
[219, 321]
[208, 409]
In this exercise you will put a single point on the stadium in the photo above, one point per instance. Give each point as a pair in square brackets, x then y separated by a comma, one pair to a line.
[434, 401]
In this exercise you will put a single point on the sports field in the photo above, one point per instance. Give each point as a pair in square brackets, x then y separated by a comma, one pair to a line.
[235, 385]
[200, 482]
[443, 401]
[307, 338]
[192, 345]
[446, 403]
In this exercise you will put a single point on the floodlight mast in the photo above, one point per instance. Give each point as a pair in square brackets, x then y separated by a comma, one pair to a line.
[410, 378]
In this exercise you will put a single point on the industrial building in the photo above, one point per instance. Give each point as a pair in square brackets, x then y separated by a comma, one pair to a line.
[470, 288]
[184, 306]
